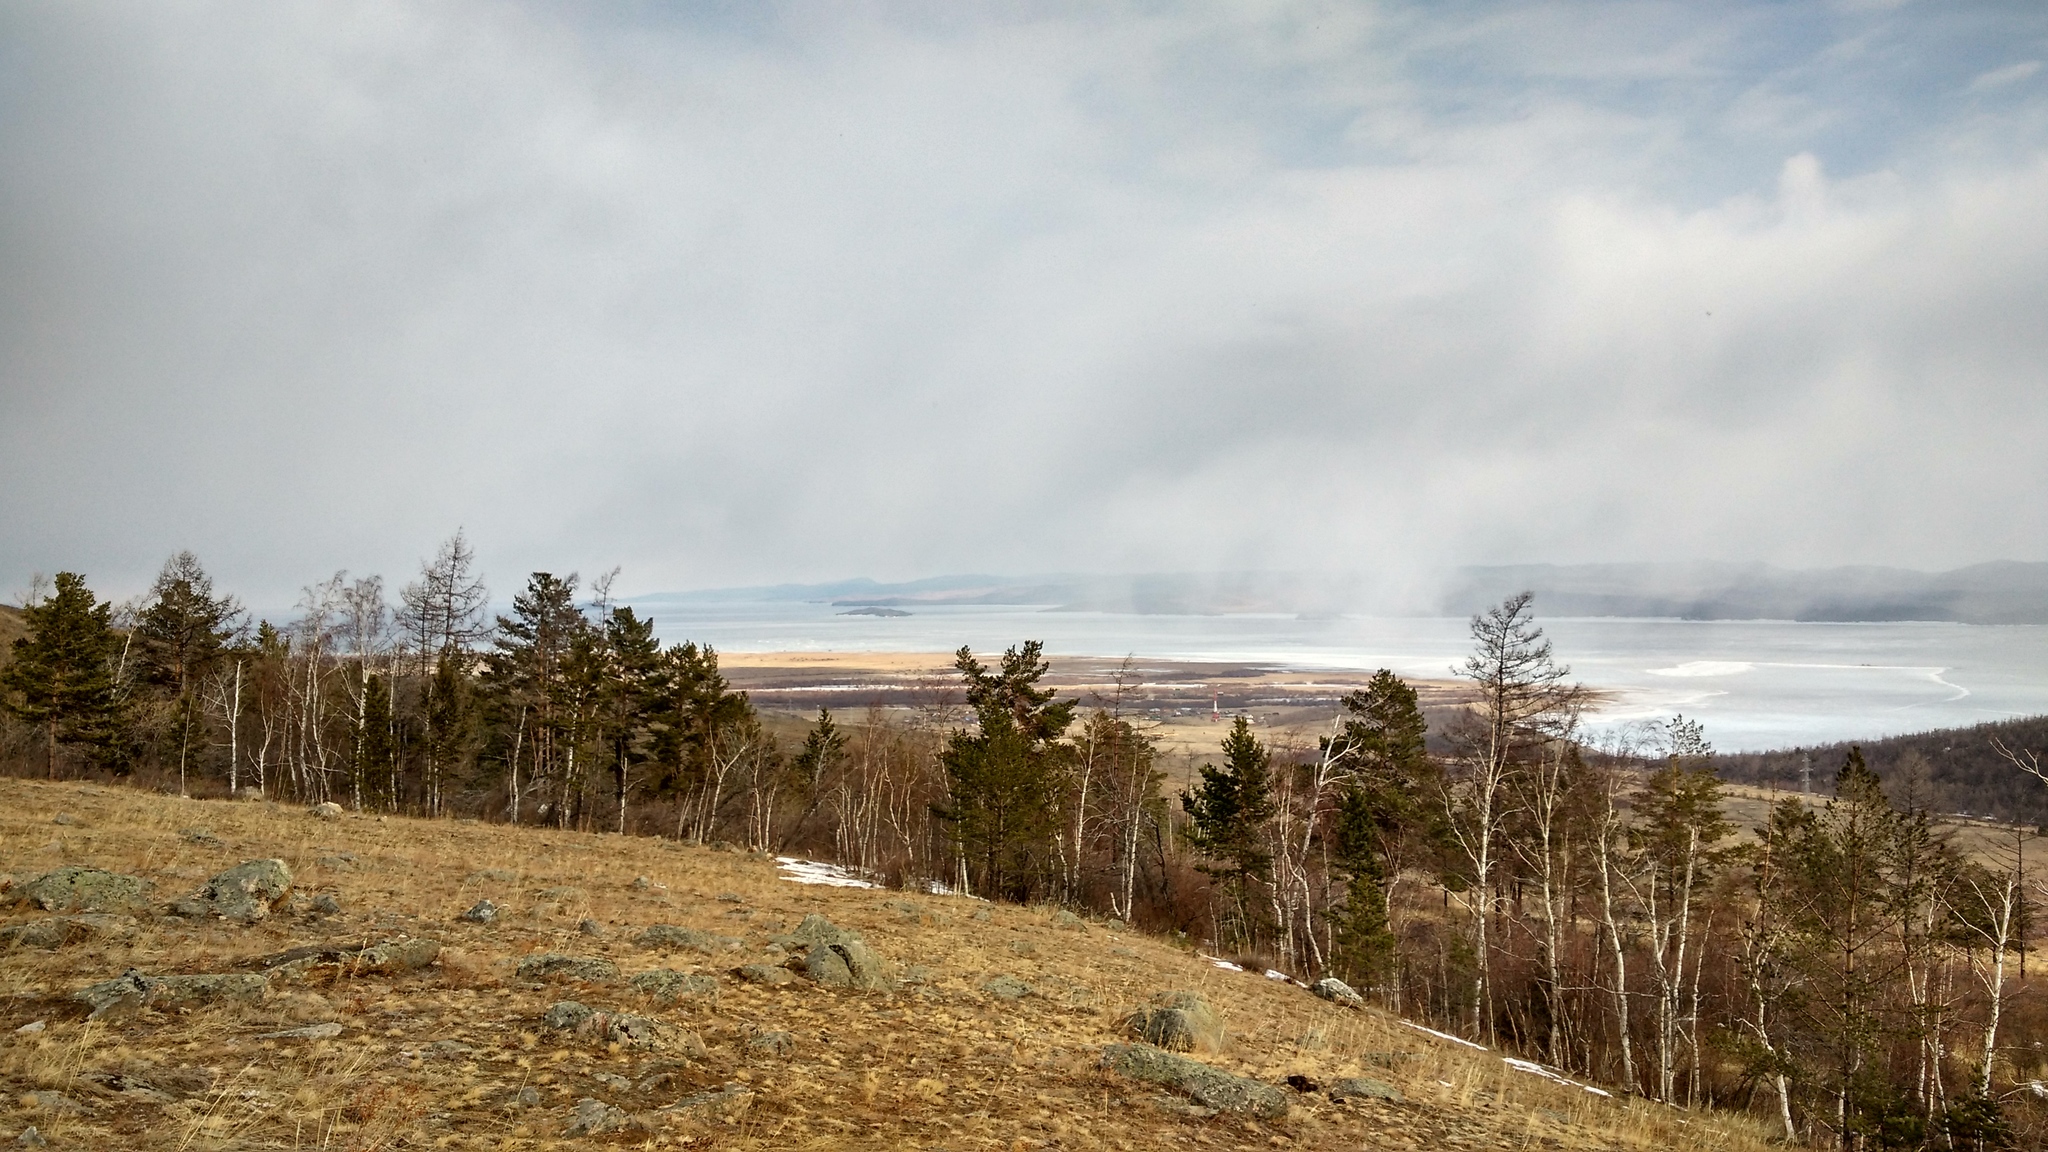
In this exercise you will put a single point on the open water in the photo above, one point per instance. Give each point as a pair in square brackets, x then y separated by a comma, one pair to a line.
[1754, 684]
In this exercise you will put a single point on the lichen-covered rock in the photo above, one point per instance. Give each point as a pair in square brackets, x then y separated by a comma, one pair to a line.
[121, 996]
[1337, 992]
[642, 1032]
[1065, 919]
[666, 986]
[1211, 1087]
[392, 957]
[325, 810]
[58, 931]
[674, 937]
[1361, 1088]
[73, 888]
[554, 966]
[1178, 1021]
[244, 894]
[815, 929]
[481, 912]
[326, 904]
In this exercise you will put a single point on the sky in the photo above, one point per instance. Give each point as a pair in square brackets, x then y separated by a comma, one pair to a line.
[743, 293]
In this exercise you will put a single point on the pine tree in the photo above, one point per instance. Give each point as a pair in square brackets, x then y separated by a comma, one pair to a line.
[1381, 818]
[1229, 811]
[182, 633]
[1005, 777]
[376, 748]
[61, 677]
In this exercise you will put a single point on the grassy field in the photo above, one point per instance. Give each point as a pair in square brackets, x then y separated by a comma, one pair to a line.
[456, 1055]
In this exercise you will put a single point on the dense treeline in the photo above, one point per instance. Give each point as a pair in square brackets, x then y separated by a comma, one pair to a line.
[1952, 770]
[1841, 969]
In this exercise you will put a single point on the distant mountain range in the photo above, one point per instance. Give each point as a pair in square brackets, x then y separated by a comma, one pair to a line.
[2002, 592]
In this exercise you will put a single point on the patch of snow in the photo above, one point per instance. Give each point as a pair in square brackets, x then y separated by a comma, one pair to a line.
[1276, 974]
[1226, 965]
[1444, 1036]
[1535, 1069]
[819, 872]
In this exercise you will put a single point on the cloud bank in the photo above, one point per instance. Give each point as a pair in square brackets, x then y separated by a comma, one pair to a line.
[738, 294]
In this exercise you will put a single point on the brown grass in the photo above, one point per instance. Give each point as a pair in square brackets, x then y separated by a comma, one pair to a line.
[937, 1064]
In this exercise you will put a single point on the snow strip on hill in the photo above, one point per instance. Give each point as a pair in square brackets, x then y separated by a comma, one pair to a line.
[819, 872]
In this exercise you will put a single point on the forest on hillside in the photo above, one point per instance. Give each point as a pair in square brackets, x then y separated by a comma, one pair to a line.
[1846, 972]
[1954, 771]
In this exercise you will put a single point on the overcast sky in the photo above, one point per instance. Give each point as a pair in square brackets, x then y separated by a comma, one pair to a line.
[735, 293]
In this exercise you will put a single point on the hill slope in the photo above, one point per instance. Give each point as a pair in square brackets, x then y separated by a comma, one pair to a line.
[457, 1054]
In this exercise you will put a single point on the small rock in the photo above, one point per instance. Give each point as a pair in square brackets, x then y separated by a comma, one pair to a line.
[731, 898]
[121, 996]
[327, 1031]
[612, 1081]
[1007, 988]
[642, 1032]
[1069, 921]
[555, 966]
[643, 884]
[30, 1138]
[527, 1097]
[1211, 1087]
[595, 1116]
[1302, 1083]
[772, 1043]
[1023, 948]
[448, 1050]
[326, 810]
[392, 957]
[66, 819]
[673, 937]
[339, 862]
[567, 1016]
[1360, 1088]
[244, 894]
[203, 837]
[1337, 992]
[666, 986]
[78, 889]
[589, 927]
[30, 1028]
[982, 914]
[768, 974]
[1178, 1021]
[560, 895]
[481, 912]
[326, 905]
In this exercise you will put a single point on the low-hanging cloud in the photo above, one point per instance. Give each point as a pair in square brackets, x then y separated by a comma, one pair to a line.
[794, 293]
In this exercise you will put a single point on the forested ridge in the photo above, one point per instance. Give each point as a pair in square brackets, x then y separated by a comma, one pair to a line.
[1958, 771]
[1843, 971]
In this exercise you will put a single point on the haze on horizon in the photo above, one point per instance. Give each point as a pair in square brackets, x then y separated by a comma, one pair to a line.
[739, 294]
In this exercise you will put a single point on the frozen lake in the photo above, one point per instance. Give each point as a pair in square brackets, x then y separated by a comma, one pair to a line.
[1754, 684]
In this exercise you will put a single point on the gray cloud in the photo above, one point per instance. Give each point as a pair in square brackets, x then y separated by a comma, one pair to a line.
[794, 293]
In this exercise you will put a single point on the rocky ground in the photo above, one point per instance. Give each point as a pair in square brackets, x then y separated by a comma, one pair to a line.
[217, 975]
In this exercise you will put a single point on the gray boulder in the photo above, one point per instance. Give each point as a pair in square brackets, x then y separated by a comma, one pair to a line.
[325, 810]
[481, 912]
[666, 986]
[815, 929]
[1360, 1088]
[392, 957]
[73, 888]
[244, 894]
[724, 1104]
[1065, 919]
[121, 996]
[671, 936]
[642, 1032]
[1337, 992]
[1179, 1021]
[1210, 1087]
[554, 966]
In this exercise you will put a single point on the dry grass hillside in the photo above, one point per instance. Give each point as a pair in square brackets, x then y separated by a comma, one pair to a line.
[335, 1047]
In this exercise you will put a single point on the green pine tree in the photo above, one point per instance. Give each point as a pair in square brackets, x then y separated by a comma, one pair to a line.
[1229, 811]
[61, 679]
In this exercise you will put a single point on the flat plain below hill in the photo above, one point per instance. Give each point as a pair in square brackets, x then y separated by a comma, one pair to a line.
[1186, 705]
[987, 1027]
